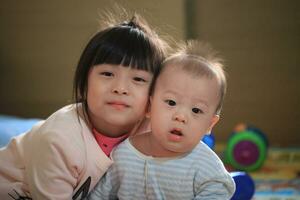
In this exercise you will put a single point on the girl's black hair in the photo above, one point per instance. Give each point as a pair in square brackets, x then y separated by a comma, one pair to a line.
[130, 44]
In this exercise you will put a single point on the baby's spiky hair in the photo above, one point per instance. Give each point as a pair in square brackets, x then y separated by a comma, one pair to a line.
[203, 50]
[200, 59]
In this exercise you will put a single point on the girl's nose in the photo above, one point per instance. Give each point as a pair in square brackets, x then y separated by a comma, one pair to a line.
[120, 86]
[120, 90]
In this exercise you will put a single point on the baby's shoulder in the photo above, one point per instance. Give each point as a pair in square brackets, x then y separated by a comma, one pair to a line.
[123, 151]
[202, 155]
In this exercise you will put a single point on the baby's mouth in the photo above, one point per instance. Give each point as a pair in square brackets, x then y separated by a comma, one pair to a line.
[176, 132]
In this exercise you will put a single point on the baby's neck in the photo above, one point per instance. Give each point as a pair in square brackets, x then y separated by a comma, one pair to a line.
[146, 144]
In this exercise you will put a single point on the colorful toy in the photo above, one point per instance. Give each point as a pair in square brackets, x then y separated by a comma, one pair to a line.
[247, 148]
[244, 186]
[209, 140]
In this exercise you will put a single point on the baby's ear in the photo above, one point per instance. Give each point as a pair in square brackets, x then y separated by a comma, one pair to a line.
[214, 121]
[148, 108]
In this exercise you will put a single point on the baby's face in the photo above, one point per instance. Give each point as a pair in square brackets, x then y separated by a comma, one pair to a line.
[182, 110]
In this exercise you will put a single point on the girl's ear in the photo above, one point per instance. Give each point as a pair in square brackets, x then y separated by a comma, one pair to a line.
[148, 108]
[213, 122]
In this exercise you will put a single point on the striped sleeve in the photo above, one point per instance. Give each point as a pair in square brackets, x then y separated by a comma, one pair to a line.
[212, 181]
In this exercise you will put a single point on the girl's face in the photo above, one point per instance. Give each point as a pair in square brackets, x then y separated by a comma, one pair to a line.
[182, 111]
[117, 98]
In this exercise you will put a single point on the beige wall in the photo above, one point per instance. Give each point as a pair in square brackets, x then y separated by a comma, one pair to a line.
[41, 42]
[260, 41]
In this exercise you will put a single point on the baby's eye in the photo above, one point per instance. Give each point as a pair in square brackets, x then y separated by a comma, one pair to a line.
[170, 102]
[197, 110]
[139, 79]
[106, 73]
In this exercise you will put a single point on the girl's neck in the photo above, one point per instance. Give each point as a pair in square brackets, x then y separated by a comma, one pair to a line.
[108, 129]
[111, 130]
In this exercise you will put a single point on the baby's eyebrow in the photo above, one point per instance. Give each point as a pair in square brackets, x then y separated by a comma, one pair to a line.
[171, 92]
[202, 101]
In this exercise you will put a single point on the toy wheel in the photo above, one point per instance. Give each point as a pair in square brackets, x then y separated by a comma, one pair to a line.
[246, 151]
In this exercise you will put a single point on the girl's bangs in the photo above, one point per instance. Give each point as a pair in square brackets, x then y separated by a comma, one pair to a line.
[127, 47]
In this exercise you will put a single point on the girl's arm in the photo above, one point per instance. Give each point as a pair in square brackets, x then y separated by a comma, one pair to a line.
[52, 166]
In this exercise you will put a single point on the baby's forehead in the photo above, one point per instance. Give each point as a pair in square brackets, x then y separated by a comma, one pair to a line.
[177, 74]
[185, 87]
[195, 70]
[172, 74]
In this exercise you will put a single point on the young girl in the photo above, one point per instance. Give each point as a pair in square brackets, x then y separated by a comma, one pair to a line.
[170, 162]
[64, 156]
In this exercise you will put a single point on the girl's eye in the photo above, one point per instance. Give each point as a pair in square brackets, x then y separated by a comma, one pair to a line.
[170, 102]
[197, 110]
[139, 79]
[106, 73]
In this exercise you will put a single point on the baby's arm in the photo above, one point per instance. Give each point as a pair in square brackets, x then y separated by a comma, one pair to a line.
[220, 187]
[106, 188]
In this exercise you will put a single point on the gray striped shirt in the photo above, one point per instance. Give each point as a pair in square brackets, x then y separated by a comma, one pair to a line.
[199, 174]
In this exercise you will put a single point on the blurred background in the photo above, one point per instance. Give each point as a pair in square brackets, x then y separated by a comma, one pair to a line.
[41, 41]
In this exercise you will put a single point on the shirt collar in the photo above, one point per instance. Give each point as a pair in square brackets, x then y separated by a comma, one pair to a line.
[107, 143]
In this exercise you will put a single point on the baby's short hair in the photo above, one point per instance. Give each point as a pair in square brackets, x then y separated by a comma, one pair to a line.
[200, 59]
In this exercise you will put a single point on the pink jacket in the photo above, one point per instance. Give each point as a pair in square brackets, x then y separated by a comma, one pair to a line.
[58, 159]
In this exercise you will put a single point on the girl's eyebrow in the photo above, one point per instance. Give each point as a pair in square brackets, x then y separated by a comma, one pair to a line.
[104, 66]
[141, 72]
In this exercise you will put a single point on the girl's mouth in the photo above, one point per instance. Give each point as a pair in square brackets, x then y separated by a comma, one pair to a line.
[118, 105]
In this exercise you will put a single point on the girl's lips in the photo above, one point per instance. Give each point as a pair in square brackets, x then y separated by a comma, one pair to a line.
[118, 105]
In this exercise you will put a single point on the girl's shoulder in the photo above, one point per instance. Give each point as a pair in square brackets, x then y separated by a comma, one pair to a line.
[65, 119]
[63, 128]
